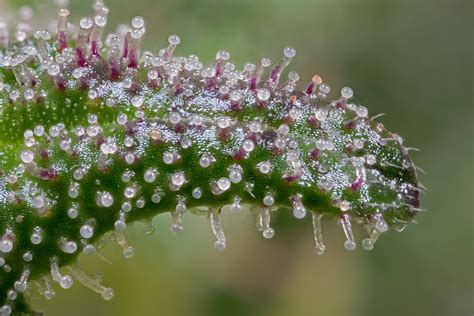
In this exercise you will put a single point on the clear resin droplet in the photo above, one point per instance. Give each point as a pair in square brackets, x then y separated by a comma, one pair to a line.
[349, 244]
[299, 211]
[177, 225]
[369, 243]
[65, 281]
[91, 283]
[128, 251]
[264, 223]
[215, 218]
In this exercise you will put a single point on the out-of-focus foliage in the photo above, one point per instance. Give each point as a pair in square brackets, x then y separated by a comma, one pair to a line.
[409, 59]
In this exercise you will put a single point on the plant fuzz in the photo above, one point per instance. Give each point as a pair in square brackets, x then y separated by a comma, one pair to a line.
[95, 135]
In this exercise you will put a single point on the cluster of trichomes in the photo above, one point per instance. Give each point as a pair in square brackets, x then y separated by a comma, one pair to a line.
[94, 135]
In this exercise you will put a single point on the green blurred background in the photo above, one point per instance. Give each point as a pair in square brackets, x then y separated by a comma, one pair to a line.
[412, 60]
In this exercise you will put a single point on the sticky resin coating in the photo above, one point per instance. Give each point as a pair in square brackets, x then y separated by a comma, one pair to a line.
[95, 135]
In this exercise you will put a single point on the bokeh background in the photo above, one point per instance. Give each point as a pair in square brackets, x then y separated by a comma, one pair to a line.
[412, 60]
